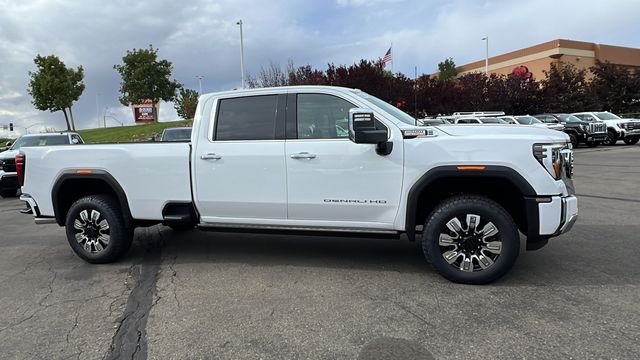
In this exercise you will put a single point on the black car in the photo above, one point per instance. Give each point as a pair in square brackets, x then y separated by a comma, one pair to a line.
[589, 133]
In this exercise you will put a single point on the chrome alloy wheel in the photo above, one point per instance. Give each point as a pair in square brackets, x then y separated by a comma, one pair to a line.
[468, 246]
[92, 231]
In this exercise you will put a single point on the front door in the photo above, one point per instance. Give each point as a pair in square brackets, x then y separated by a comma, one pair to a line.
[240, 174]
[332, 181]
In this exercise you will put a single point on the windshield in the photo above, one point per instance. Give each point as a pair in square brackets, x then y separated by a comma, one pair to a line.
[176, 134]
[489, 120]
[397, 113]
[606, 116]
[43, 140]
[527, 120]
[568, 118]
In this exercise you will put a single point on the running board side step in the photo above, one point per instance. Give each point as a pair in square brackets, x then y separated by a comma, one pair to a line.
[300, 230]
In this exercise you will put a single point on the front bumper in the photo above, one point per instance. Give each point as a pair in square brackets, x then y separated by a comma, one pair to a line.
[557, 216]
[594, 137]
[626, 133]
[549, 217]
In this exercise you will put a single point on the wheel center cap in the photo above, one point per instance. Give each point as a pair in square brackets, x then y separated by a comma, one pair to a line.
[469, 243]
[91, 231]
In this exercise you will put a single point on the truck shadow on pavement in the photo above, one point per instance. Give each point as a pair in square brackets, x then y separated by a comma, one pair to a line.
[577, 258]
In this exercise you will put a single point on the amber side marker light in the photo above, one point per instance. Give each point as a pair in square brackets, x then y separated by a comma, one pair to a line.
[83, 171]
[462, 168]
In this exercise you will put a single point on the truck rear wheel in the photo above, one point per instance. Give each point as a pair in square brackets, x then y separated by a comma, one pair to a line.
[470, 239]
[96, 230]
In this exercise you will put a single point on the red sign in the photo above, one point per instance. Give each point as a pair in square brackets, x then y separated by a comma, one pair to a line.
[144, 112]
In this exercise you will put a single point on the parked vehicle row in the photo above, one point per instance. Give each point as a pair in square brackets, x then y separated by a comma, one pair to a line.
[8, 177]
[589, 128]
[627, 130]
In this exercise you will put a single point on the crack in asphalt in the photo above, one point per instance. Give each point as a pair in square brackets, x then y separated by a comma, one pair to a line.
[130, 338]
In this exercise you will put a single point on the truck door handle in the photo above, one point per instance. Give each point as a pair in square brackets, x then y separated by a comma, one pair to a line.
[303, 155]
[210, 156]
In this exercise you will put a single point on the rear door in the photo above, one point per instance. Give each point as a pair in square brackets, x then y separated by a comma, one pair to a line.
[240, 174]
[332, 181]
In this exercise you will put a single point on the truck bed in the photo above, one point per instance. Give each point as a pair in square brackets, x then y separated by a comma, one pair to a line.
[151, 174]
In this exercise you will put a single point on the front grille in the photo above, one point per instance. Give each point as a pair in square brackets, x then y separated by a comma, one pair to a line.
[595, 128]
[9, 165]
[633, 125]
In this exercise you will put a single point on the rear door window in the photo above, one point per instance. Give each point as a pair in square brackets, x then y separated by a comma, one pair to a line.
[247, 118]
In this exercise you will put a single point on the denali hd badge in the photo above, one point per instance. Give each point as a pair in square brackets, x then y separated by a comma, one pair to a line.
[344, 201]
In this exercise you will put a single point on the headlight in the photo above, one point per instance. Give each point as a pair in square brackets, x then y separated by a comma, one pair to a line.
[584, 127]
[621, 125]
[1, 164]
[551, 157]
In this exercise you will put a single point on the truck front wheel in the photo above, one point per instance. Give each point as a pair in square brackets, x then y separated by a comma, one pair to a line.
[470, 239]
[632, 140]
[96, 230]
[611, 138]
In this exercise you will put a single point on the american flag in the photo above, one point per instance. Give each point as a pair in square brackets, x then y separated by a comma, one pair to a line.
[387, 57]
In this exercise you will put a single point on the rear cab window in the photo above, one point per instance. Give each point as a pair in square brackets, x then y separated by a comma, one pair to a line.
[246, 118]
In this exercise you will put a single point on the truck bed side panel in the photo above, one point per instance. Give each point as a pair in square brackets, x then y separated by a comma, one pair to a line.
[151, 174]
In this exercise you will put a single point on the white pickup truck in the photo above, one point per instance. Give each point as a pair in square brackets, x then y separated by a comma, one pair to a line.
[322, 161]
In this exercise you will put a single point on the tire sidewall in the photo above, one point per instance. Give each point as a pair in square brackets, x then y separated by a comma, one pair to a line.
[574, 139]
[487, 210]
[119, 237]
[631, 140]
[611, 138]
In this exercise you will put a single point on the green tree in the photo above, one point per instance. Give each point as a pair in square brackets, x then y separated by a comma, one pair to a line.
[55, 87]
[186, 102]
[615, 88]
[447, 70]
[565, 89]
[144, 77]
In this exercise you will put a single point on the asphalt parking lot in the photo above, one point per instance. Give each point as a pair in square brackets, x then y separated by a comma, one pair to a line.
[228, 296]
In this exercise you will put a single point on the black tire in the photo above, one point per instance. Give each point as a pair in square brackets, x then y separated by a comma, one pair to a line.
[593, 144]
[459, 207]
[182, 227]
[9, 193]
[632, 140]
[574, 139]
[611, 139]
[90, 245]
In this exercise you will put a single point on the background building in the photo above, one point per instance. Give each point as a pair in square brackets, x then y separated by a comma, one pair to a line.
[535, 59]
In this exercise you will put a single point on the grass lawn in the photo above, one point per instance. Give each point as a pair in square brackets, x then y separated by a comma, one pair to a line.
[129, 133]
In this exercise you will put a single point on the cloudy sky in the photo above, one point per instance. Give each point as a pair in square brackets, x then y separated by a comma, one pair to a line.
[202, 38]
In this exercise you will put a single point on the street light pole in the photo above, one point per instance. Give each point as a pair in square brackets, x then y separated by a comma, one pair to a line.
[241, 53]
[200, 77]
[486, 56]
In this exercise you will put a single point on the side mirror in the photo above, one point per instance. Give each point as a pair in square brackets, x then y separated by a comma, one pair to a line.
[8, 144]
[75, 141]
[362, 127]
[362, 130]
